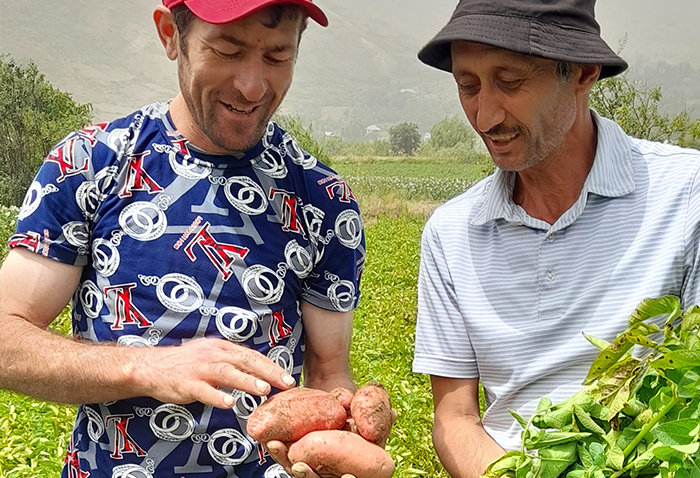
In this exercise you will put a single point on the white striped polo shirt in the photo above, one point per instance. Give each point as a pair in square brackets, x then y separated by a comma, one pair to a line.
[505, 297]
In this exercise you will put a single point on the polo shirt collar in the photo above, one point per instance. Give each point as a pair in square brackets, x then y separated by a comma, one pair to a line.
[612, 175]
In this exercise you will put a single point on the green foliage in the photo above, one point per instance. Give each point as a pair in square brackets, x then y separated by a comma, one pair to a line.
[635, 107]
[637, 417]
[33, 117]
[450, 132]
[384, 330]
[304, 136]
[404, 138]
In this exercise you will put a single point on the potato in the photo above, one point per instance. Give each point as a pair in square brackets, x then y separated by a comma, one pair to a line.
[290, 415]
[344, 396]
[371, 410]
[333, 453]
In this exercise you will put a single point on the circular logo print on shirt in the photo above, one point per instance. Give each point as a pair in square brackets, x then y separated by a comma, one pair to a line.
[245, 195]
[179, 293]
[271, 163]
[236, 324]
[31, 201]
[105, 257]
[298, 259]
[276, 471]
[348, 228]
[172, 422]
[130, 471]
[77, 234]
[91, 299]
[245, 403]
[187, 168]
[143, 221]
[296, 154]
[95, 426]
[262, 284]
[229, 447]
[282, 356]
[342, 295]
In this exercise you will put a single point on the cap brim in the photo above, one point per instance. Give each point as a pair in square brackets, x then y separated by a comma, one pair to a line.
[217, 14]
[522, 36]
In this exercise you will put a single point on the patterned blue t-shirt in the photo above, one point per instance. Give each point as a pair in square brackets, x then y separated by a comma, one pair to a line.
[177, 245]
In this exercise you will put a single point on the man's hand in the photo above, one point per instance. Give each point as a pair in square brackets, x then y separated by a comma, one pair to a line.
[196, 370]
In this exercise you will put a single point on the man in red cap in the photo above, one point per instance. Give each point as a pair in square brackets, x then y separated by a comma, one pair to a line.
[194, 235]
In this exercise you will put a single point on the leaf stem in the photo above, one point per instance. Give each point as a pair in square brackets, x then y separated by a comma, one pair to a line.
[646, 428]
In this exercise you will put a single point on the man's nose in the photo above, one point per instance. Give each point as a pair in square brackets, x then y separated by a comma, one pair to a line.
[250, 81]
[490, 111]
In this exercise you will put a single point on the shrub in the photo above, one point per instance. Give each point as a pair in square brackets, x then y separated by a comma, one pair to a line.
[33, 117]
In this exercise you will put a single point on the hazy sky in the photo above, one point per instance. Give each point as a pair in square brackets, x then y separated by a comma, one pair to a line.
[89, 46]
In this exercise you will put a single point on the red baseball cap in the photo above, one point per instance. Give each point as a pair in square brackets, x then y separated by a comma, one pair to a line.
[224, 11]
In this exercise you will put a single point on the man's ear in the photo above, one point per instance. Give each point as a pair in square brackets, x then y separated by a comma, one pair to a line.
[589, 74]
[167, 31]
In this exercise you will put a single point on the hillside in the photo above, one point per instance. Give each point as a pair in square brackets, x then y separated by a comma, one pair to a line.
[348, 76]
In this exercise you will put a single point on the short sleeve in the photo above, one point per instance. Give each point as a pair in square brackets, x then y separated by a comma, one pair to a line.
[54, 220]
[442, 344]
[337, 234]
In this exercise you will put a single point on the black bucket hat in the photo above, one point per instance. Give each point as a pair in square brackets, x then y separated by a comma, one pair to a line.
[554, 29]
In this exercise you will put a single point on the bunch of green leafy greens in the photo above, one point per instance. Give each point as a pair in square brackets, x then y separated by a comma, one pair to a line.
[636, 417]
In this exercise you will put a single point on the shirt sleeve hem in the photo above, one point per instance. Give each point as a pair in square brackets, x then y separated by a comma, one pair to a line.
[444, 367]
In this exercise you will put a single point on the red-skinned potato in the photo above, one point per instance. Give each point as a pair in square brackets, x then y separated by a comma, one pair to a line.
[344, 396]
[333, 453]
[371, 411]
[291, 414]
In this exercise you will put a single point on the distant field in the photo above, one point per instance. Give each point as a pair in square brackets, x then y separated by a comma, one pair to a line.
[412, 187]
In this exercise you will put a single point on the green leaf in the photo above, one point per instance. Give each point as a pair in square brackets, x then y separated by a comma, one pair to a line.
[600, 344]
[650, 308]
[558, 418]
[587, 422]
[643, 460]
[677, 359]
[553, 438]
[615, 458]
[556, 459]
[544, 404]
[691, 319]
[607, 358]
[521, 420]
[507, 462]
[678, 432]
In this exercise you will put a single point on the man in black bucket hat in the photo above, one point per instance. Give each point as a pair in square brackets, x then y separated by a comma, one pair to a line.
[578, 224]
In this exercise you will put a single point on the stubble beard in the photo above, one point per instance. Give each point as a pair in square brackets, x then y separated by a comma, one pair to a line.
[208, 124]
[561, 117]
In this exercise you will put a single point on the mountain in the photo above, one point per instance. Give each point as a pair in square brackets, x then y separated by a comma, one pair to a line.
[361, 70]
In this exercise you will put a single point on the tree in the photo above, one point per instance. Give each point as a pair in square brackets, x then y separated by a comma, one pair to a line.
[404, 138]
[450, 132]
[33, 117]
[635, 107]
